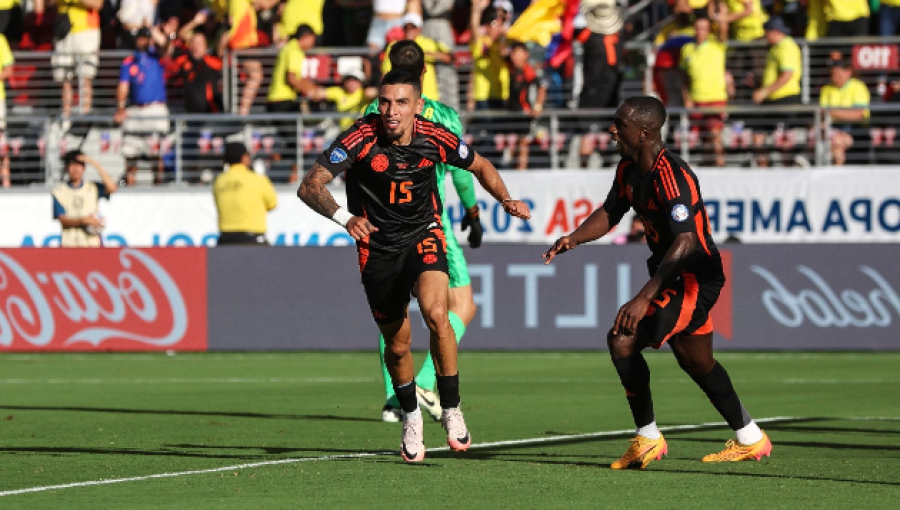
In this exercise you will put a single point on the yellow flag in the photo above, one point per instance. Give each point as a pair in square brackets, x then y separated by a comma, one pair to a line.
[538, 23]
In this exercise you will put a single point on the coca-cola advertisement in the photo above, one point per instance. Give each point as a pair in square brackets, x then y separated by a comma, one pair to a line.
[103, 299]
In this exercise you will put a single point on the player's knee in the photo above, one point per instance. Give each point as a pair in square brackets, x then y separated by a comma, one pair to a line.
[620, 346]
[693, 364]
[399, 349]
[436, 318]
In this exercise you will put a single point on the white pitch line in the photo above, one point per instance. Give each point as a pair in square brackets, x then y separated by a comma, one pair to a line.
[366, 380]
[478, 446]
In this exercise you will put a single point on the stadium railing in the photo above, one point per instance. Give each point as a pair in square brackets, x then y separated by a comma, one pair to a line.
[287, 145]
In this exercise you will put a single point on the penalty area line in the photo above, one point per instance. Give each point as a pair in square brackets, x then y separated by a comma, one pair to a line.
[477, 446]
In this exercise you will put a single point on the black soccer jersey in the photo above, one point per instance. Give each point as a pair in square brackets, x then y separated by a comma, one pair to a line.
[394, 186]
[668, 201]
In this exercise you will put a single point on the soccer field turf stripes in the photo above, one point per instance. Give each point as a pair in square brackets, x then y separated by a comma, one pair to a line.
[362, 455]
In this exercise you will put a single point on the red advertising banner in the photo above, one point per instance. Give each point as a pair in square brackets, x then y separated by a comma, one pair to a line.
[103, 299]
[875, 56]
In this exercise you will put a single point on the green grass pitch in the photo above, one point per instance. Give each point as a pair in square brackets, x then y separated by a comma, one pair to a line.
[69, 419]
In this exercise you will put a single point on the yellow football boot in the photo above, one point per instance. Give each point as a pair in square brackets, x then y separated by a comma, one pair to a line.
[736, 452]
[641, 452]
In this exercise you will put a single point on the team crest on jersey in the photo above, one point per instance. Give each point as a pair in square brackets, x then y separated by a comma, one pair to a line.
[430, 258]
[680, 213]
[380, 163]
[337, 155]
[463, 150]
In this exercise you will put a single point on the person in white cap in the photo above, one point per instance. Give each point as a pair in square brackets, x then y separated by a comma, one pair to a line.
[434, 52]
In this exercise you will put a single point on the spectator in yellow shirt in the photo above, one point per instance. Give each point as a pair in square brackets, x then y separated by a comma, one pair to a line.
[705, 83]
[6, 62]
[489, 88]
[351, 97]
[242, 199]
[287, 78]
[434, 52]
[852, 97]
[296, 13]
[847, 18]
[781, 81]
[745, 19]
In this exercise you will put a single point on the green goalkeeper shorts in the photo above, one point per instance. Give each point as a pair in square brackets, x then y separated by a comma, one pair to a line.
[459, 271]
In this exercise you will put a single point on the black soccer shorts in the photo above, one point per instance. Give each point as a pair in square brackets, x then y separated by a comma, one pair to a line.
[682, 308]
[389, 278]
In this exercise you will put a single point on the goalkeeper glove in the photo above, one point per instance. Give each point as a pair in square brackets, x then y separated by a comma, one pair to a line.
[477, 232]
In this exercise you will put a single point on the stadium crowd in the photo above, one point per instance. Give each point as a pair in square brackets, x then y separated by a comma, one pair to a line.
[181, 47]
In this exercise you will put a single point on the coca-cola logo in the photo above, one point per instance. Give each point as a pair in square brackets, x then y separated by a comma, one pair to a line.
[825, 306]
[83, 299]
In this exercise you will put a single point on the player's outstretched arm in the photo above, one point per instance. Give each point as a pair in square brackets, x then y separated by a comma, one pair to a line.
[314, 194]
[490, 180]
[683, 247]
[594, 227]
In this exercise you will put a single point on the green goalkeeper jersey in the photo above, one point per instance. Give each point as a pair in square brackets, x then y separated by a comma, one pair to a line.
[437, 111]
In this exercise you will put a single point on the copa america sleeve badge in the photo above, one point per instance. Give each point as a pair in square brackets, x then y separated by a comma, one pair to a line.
[680, 213]
[337, 155]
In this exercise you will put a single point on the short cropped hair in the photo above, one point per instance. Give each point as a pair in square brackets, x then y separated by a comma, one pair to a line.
[408, 55]
[303, 30]
[648, 111]
[403, 76]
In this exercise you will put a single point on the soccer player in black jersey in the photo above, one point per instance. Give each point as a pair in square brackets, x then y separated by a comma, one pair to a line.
[685, 279]
[395, 217]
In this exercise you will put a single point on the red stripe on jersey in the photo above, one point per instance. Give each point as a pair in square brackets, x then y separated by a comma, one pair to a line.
[365, 150]
[698, 223]
[441, 134]
[695, 197]
[619, 173]
[353, 139]
[666, 186]
[688, 304]
[442, 137]
[668, 174]
[440, 148]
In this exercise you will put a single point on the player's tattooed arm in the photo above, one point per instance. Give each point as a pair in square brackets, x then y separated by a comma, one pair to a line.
[314, 193]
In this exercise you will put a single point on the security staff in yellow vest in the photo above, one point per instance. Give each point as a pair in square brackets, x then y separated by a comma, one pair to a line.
[242, 199]
[76, 202]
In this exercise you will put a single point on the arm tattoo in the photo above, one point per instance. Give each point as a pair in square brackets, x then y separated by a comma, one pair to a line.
[314, 193]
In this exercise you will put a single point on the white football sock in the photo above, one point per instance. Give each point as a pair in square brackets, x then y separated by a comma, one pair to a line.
[649, 431]
[749, 434]
[413, 416]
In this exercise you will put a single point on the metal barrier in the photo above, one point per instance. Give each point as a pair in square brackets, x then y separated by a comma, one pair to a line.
[286, 145]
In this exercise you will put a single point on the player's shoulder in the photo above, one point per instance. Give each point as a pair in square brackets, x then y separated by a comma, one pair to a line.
[365, 128]
[432, 129]
[672, 169]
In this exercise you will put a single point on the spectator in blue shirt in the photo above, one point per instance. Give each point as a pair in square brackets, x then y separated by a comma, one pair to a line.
[141, 100]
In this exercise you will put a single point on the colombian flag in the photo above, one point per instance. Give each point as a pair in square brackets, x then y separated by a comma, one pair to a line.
[539, 22]
[243, 25]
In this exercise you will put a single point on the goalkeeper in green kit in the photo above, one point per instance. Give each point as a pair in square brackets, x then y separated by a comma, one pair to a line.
[409, 55]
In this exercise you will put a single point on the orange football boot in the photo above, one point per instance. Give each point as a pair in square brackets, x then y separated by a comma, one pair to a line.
[641, 452]
[736, 452]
